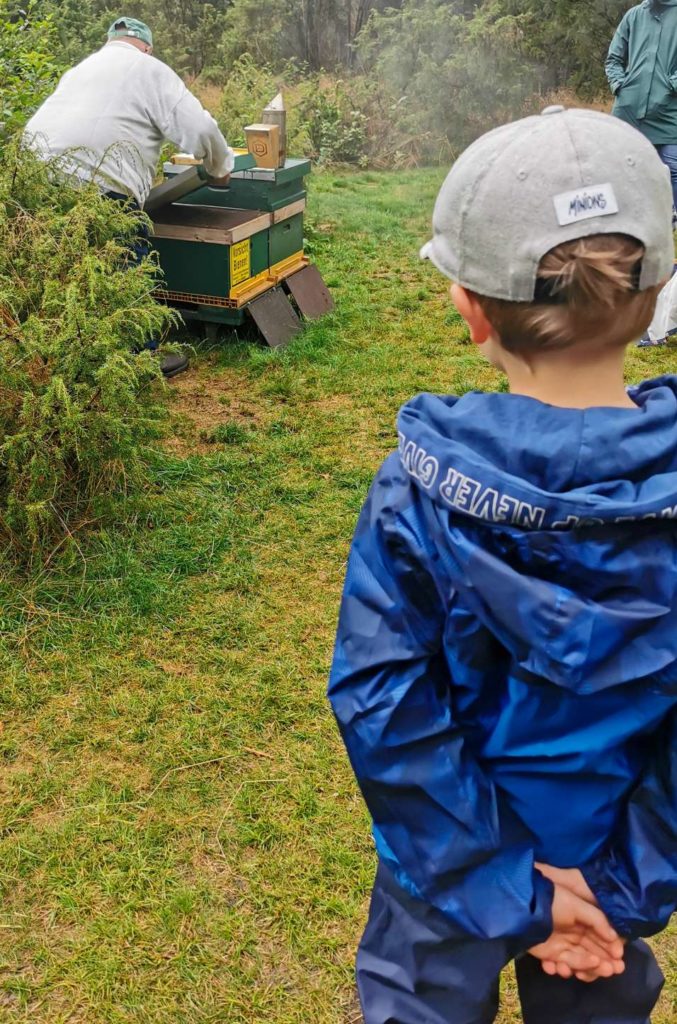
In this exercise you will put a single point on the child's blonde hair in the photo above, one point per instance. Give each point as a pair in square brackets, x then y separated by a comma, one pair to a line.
[587, 292]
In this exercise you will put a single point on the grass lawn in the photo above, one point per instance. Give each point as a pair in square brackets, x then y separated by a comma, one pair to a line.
[180, 836]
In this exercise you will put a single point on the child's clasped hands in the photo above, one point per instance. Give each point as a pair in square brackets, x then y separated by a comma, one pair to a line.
[583, 944]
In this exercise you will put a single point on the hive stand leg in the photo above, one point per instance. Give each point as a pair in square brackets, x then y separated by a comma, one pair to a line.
[212, 332]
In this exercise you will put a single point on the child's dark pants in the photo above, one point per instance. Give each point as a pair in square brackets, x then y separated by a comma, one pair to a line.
[413, 967]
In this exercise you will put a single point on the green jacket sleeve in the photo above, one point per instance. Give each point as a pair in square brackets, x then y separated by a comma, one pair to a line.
[617, 58]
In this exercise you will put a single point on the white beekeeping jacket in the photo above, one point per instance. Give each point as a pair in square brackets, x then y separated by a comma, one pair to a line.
[111, 114]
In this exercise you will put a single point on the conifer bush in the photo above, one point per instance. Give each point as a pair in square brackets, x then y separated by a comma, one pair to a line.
[77, 398]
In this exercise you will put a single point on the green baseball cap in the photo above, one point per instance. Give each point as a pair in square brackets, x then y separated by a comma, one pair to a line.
[122, 27]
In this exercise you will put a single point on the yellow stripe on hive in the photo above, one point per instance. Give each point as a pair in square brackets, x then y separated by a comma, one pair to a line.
[288, 266]
[245, 292]
[248, 290]
[241, 293]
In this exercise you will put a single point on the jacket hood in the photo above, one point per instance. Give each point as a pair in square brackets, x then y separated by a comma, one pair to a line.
[557, 525]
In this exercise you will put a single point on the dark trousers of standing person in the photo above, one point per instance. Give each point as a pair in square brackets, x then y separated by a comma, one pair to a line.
[141, 245]
[668, 155]
[414, 967]
[173, 363]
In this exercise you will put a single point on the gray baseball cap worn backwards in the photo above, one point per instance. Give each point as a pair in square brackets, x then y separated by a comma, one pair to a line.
[524, 188]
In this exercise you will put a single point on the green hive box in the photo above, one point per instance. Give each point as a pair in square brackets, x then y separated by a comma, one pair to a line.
[220, 249]
[253, 188]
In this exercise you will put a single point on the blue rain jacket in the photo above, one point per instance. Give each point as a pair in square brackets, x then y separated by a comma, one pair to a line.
[505, 672]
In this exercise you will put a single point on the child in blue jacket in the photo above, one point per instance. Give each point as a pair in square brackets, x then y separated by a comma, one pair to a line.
[505, 673]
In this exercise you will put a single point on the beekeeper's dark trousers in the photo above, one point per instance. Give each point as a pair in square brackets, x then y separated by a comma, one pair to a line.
[140, 247]
[413, 968]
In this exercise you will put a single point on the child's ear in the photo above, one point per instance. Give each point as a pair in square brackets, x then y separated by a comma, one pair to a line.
[470, 309]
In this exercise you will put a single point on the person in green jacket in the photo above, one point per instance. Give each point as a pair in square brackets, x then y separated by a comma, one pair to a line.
[642, 72]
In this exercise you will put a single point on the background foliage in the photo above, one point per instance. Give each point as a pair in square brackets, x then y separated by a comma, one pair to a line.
[28, 66]
[385, 82]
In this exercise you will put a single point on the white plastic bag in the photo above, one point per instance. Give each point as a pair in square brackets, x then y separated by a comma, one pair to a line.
[665, 317]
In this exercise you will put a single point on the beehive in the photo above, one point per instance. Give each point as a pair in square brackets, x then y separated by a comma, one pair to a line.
[221, 250]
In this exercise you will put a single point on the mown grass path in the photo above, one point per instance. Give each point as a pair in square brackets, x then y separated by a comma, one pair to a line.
[180, 836]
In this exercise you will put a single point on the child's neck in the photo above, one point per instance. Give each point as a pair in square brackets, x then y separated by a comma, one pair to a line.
[569, 380]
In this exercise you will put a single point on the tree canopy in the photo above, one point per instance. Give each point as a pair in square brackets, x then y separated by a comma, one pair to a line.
[433, 72]
[566, 38]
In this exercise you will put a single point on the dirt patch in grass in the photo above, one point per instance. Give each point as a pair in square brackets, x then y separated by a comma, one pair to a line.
[175, 668]
[334, 403]
[201, 401]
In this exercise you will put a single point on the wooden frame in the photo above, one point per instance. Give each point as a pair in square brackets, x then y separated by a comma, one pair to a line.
[209, 224]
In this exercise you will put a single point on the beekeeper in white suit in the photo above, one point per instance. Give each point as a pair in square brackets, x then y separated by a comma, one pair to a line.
[111, 114]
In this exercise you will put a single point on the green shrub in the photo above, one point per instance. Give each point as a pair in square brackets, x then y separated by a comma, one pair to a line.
[27, 69]
[76, 402]
[324, 121]
[336, 130]
[443, 74]
[249, 88]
